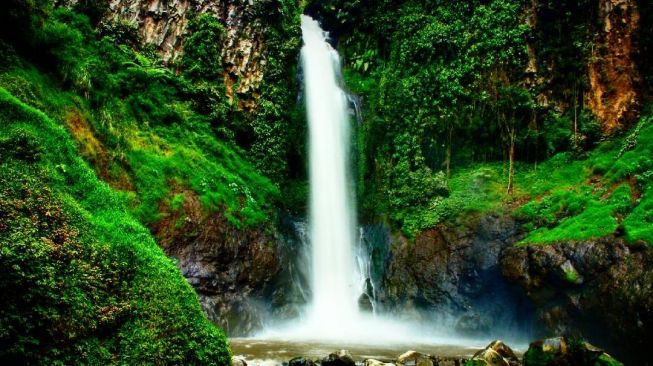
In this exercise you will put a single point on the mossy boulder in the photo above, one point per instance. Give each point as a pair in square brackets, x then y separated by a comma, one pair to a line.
[496, 353]
[563, 351]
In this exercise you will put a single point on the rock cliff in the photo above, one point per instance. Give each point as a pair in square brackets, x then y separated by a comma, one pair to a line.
[452, 271]
[163, 23]
[613, 94]
[228, 267]
[599, 289]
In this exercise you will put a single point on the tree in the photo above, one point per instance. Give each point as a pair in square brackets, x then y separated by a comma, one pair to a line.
[515, 111]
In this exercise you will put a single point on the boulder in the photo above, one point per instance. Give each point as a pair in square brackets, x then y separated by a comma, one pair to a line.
[301, 361]
[238, 361]
[563, 351]
[365, 304]
[339, 358]
[408, 358]
[414, 358]
[373, 362]
[496, 353]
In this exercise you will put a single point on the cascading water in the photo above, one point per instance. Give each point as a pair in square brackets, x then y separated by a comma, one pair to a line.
[333, 277]
[340, 268]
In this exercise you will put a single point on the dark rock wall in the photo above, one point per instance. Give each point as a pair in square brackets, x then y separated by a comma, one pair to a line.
[244, 278]
[609, 299]
[474, 278]
[452, 273]
[229, 268]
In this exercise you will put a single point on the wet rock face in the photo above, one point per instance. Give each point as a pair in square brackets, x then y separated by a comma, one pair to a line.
[243, 278]
[454, 270]
[163, 23]
[600, 289]
[228, 268]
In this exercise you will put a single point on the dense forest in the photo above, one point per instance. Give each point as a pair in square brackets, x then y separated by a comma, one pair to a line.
[136, 134]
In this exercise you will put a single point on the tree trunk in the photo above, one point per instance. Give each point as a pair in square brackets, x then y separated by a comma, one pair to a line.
[511, 157]
[448, 161]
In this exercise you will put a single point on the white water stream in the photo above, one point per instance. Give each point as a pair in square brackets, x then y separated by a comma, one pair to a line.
[334, 278]
[336, 262]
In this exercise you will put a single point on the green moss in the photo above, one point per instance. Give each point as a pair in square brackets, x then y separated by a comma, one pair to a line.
[639, 223]
[93, 282]
[475, 363]
[177, 201]
[537, 357]
[572, 276]
[606, 360]
[595, 201]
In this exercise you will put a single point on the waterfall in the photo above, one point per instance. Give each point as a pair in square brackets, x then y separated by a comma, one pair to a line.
[340, 268]
[334, 278]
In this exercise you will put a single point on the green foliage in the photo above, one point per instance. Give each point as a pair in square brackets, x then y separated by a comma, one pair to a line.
[139, 114]
[93, 9]
[277, 128]
[606, 360]
[571, 209]
[20, 144]
[563, 198]
[475, 363]
[202, 57]
[535, 356]
[87, 280]
[447, 85]
[575, 351]
[572, 276]
[434, 76]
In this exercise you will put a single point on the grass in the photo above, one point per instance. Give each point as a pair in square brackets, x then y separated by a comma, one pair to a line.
[134, 120]
[564, 198]
[155, 159]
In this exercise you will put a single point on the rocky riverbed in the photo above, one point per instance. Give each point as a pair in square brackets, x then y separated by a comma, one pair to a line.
[558, 351]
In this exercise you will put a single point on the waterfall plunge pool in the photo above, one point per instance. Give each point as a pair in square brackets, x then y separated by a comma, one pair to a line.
[263, 352]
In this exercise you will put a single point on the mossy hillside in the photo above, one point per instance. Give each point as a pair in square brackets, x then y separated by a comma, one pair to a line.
[79, 104]
[89, 285]
[567, 197]
[140, 125]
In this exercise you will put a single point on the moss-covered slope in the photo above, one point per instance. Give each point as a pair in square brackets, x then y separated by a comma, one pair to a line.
[84, 281]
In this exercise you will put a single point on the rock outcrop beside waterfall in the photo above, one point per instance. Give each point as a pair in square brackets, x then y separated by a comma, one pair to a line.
[476, 279]
[452, 272]
[227, 267]
[242, 277]
[600, 289]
